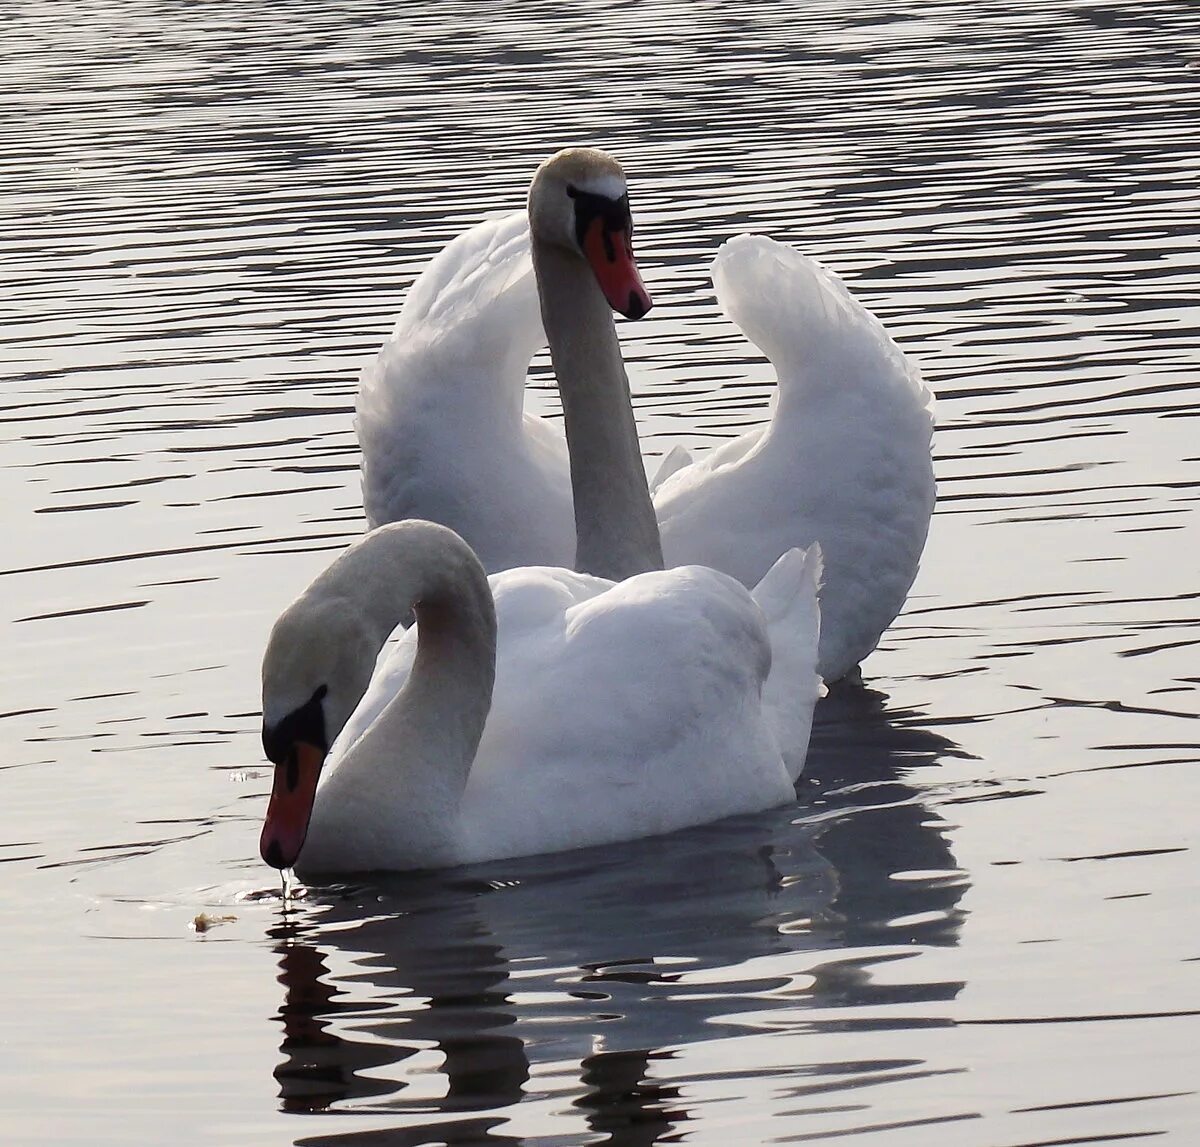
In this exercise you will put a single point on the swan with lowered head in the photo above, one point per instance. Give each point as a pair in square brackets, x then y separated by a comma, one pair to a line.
[844, 461]
[548, 710]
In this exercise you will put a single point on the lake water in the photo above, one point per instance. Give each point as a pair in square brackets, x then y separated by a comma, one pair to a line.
[978, 925]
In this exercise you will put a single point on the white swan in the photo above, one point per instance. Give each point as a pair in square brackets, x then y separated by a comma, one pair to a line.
[617, 711]
[845, 460]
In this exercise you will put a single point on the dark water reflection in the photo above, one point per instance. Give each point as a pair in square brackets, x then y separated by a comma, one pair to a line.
[602, 963]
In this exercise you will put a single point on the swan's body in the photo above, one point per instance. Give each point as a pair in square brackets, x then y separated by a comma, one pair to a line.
[845, 460]
[618, 711]
[606, 711]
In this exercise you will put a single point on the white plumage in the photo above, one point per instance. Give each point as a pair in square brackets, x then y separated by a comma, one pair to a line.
[439, 408]
[618, 711]
[547, 709]
[845, 460]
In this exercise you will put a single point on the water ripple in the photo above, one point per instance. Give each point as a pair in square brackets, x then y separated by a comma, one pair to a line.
[210, 216]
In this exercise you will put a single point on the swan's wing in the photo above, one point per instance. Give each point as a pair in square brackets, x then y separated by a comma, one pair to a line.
[434, 410]
[845, 460]
[473, 309]
[533, 600]
[787, 596]
[800, 314]
[636, 711]
[529, 601]
[688, 474]
[392, 668]
[470, 281]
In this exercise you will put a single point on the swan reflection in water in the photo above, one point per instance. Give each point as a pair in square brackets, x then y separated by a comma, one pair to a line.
[431, 996]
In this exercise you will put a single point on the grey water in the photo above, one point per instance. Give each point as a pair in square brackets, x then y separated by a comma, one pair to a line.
[977, 926]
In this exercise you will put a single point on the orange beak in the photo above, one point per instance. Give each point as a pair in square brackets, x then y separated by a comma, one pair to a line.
[288, 812]
[610, 253]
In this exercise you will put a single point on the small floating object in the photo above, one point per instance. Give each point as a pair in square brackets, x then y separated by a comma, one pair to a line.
[203, 922]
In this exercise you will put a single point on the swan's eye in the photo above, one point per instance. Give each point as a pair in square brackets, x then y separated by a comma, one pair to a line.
[307, 723]
[612, 214]
[572, 190]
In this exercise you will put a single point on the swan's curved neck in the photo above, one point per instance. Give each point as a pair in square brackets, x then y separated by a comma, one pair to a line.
[428, 735]
[415, 758]
[615, 528]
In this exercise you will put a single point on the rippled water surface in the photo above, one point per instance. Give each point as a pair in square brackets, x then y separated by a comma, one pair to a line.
[978, 926]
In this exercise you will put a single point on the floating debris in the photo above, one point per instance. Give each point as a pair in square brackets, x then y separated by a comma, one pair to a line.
[203, 922]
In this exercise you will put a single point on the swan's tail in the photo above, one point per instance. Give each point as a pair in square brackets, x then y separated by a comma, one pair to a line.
[802, 317]
[675, 459]
[787, 596]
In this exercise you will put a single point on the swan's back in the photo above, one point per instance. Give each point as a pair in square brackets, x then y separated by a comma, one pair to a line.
[672, 699]
[630, 711]
[439, 409]
[845, 461]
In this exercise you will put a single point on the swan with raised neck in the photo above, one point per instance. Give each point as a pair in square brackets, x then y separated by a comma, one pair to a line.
[844, 458]
[580, 232]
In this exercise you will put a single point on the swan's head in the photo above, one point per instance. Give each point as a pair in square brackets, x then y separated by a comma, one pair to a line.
[317, 666]
[578, 202]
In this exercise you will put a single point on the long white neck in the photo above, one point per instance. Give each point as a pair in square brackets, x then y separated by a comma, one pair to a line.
[616, 534]
[407, 772]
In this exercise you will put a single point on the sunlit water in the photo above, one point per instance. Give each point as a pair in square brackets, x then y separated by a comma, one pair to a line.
[978, 925]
